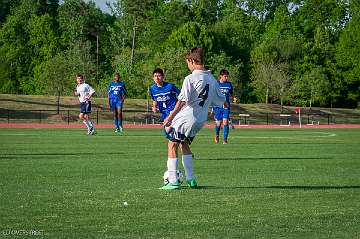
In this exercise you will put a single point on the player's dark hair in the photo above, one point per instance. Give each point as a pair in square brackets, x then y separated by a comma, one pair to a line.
[197, 55]
[224, 72]
[117, 74]
[79, 75]
[159, 71]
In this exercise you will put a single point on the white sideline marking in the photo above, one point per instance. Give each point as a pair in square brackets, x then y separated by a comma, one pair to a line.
[286, 137]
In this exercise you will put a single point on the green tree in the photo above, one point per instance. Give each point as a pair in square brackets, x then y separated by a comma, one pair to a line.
[271, 58]
[205, 11]
[58, 75]
[43, 41]
[189, 35]
[15, 55]
[347, 55]
[166, 17]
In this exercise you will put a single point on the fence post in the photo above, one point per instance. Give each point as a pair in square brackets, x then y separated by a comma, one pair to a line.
[68, 117]
[97, 117]
[328, 119]
[267, 118]
[40, 115]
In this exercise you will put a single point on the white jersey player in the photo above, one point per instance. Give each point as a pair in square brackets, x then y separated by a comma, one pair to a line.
[199, 91]
[85, 92]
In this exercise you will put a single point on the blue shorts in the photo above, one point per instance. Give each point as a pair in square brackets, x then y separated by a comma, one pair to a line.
[85, 107]
[115, 104]
[177, 137]
[221, 113]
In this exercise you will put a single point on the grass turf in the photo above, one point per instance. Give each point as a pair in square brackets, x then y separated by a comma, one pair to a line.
[267, 183]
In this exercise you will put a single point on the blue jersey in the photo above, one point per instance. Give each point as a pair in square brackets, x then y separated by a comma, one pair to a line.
[165, 96]
[116, 91]
[227, 89]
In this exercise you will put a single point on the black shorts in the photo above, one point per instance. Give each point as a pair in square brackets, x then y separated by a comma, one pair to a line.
[177, 137]
[85, 107]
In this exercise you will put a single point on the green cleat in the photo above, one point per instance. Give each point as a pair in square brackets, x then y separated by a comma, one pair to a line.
[121, 129]
[171, 186]
[117, 130]
[192, 183]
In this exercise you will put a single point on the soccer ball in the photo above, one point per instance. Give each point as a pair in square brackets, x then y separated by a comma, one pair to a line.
[179, 177]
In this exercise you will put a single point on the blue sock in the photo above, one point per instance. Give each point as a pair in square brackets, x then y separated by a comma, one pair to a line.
[116, 123]
[120, 123]
[226, 132]
[217, 130]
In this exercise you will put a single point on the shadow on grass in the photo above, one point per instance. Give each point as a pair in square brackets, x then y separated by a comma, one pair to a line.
[262, 158]
[294, 187]
[51, 155]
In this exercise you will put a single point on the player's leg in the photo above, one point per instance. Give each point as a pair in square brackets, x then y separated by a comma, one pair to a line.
[187, 160]
[172, 165]
[83, 115]
[91, 128]
[84, 119]
[218, 118]
[119, 116]
[116, 120]
[217, 130]
[113, 109]
[226, 117]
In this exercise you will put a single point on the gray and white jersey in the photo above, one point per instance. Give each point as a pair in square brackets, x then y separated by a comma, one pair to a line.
[84, 90]
[200, 91]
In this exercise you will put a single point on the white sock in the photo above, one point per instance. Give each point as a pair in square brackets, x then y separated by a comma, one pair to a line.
[172, 166]
[86, 124]
[90, 124]
[188, 166]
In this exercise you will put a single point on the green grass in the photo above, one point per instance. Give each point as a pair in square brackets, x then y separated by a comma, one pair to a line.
[267, 183]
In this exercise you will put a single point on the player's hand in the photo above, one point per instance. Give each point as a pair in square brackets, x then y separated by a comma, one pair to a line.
[226, 105]
[153, 109]
[167, 122]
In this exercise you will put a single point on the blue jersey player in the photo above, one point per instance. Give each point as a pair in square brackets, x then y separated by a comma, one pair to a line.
[163, 94]
[222, 114]
[116, 96]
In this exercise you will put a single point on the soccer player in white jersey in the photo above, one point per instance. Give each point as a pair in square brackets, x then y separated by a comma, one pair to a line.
[199, 91]
[85, 92]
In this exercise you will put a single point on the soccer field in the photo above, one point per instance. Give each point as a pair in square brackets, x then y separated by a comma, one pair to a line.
[266, 183]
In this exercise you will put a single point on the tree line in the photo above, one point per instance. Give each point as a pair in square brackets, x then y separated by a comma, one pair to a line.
[294, 52]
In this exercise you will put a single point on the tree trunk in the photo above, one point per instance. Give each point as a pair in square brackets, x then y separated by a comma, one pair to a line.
[267, 95]
[58, 102]
[133, 43]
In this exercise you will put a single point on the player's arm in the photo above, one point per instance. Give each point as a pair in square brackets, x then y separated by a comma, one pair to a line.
[76, 93]
[91, 93]
[154, 106]
[179, 105]
[109, 99]
[123, 94]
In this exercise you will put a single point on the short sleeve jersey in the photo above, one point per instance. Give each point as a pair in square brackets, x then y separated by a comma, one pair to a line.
[200, 90]
[227, 89]
[165, 96]
[84, 90]
[116, 90]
